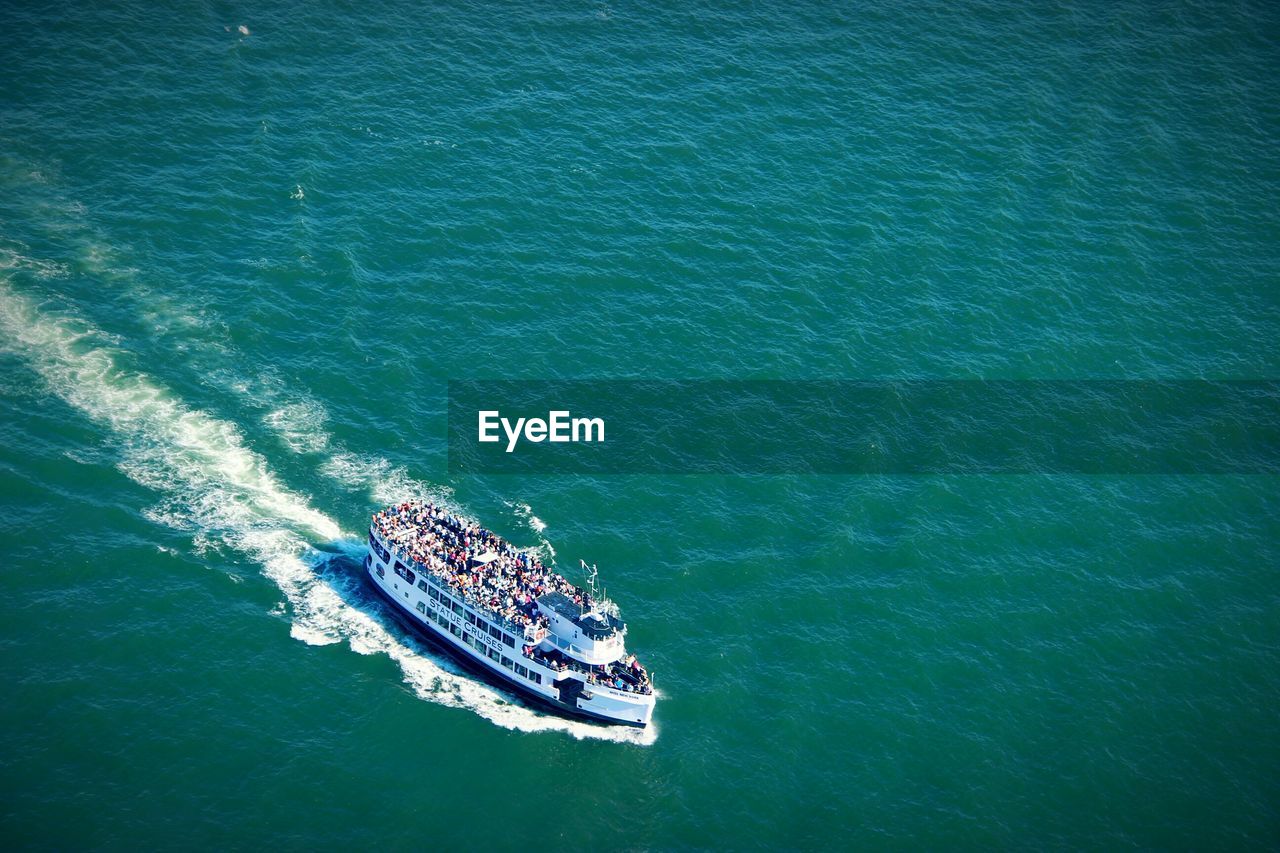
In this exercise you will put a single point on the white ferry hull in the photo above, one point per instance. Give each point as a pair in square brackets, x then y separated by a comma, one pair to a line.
[494, 653]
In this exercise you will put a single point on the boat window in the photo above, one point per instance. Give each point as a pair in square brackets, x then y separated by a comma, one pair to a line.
[520, 670]
[495, 633]
[481, 624]
[378, 549]
[455, 630]
[506, 638]
[493, 653]
[431, 591]
[536, 676]
[507, 662]
[457, 608]
[422, 608]
[422, 584]
[471, 618]
[381, 573]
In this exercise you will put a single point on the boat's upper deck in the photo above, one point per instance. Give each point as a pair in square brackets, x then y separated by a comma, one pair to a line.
[478, 564]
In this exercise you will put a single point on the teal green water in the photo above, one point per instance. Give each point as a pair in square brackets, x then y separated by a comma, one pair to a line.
[239, 270]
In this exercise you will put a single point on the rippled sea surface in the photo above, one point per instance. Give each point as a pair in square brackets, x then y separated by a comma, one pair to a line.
[237, 271]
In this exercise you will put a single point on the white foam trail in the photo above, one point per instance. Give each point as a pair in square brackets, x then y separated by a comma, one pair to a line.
[526, 512]
[384, 482]
[167, 444]
[299, 420]
[300, 425]
[538, 526]
[223, 493]
[12, 258]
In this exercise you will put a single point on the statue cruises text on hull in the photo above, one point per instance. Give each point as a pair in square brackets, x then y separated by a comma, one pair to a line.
[500, 609]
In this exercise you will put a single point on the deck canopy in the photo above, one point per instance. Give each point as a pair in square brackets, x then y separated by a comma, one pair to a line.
[595, 625]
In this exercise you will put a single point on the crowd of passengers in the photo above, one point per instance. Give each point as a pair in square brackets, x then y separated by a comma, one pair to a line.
[446, 545]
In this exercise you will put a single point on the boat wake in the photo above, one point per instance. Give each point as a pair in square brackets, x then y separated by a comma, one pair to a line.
[383, 482]
[298, 420]
[525, 511]
[224, 494]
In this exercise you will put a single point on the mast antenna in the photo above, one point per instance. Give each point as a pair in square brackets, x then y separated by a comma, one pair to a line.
[600, 598]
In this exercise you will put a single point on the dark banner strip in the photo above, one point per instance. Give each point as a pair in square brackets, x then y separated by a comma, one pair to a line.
[846, 427]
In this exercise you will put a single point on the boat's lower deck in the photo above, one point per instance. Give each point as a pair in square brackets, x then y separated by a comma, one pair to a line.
[568, 687]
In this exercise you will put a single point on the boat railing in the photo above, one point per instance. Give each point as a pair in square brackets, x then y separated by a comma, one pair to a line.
[607, 679]
[543, 660]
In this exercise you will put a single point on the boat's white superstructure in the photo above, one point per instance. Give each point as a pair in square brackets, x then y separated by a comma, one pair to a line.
[500, 609]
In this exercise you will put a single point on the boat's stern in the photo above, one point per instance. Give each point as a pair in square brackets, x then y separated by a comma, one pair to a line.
[633, 709]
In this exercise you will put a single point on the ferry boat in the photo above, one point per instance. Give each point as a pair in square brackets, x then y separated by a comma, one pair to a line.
[499, 609]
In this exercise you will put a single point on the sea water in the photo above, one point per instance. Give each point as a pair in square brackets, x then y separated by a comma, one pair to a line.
[244, 248]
